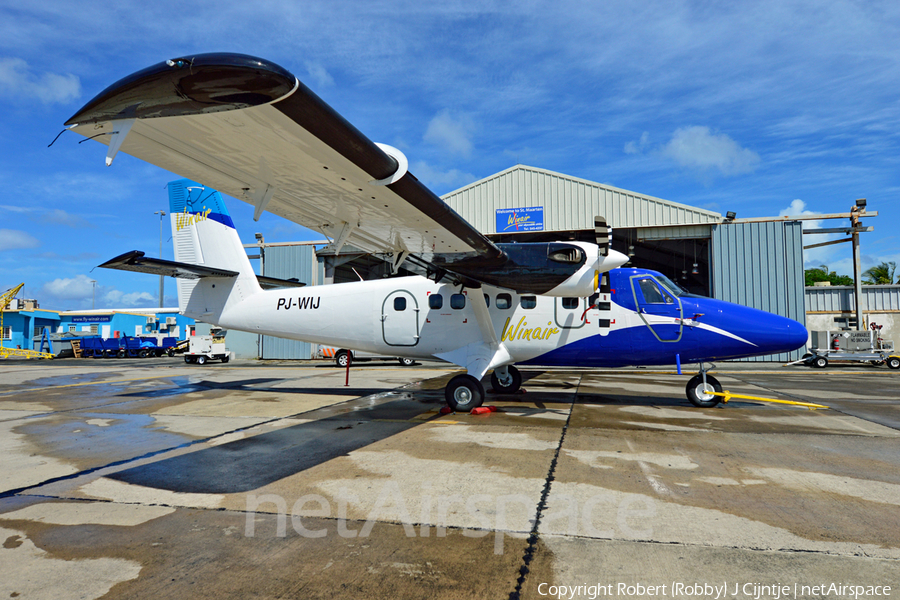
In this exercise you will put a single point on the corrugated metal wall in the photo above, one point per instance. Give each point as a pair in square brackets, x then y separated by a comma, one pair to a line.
[286, 262]
[840, 298]
[569, 203]
[761, 265]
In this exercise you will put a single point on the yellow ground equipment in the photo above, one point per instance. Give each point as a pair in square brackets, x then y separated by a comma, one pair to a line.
[726, 396]
[5, 299]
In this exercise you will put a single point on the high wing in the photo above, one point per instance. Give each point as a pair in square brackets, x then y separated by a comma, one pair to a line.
[247, 127]
[250, 129]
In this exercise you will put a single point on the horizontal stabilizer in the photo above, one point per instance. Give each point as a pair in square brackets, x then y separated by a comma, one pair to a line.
[136, 261]
[268, 283]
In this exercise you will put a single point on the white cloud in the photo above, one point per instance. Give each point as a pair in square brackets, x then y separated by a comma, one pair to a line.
[75, 288]
[319, 75]
[797, 208]
[452, 132]
[61, 217]
[638, 147]
[435, 178]
[18, 81]
[697, 147]
[138, 299]
[13, 239]
[823, 255]
[79, 292]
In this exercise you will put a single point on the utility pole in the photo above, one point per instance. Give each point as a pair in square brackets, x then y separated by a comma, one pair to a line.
[261, 241]
[162, 278]
[855, 213]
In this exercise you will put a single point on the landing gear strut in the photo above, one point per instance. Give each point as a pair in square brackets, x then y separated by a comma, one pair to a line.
[506, 380]
[464, 393]
[699, 387]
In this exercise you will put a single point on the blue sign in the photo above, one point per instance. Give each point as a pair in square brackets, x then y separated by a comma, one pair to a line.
[512, 220]
[92, 319]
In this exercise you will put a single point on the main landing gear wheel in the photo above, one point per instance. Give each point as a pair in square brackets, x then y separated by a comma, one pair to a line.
[407, 362]
[699, 394]
[464, 393]
[509, 384]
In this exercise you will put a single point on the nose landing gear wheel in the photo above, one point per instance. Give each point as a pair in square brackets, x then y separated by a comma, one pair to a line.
[464, 393]
[699, 394]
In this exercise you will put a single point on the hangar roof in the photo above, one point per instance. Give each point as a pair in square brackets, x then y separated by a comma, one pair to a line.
[568, 203]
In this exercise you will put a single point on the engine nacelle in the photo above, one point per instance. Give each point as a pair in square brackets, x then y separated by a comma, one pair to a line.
[547, 268]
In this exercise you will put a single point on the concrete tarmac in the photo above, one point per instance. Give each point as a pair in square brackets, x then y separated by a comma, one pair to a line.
[156, 479]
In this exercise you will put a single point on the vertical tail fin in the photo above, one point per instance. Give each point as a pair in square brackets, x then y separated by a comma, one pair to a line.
[204, 234]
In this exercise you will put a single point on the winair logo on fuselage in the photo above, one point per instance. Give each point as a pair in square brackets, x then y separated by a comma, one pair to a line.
[523, 332]
[186, 219]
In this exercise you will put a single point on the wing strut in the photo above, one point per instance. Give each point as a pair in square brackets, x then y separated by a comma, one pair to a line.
[488, 353]
[117, 137]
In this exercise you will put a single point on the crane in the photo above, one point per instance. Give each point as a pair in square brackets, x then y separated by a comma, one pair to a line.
[5, 299]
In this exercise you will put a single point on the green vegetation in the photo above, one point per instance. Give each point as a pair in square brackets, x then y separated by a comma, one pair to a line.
[882, 274]
[821, 273]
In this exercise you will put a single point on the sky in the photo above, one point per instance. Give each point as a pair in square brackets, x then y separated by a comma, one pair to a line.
[763, 108]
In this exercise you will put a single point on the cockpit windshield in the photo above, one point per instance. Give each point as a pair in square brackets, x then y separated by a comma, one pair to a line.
[672, 287]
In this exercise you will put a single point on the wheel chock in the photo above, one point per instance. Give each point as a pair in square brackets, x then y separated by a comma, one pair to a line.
[446, 410]
[480, 410]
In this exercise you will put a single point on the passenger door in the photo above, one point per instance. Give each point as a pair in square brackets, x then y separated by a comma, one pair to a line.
[400, 319]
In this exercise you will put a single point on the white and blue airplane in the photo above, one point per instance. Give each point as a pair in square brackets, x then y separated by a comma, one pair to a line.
[249, 128]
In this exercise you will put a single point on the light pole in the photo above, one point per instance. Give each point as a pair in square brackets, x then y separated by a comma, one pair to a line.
[162, 278]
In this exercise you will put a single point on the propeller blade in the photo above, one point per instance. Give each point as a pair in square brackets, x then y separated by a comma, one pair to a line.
[603, 233]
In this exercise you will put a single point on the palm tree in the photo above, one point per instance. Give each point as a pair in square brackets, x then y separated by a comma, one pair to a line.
[880, 274]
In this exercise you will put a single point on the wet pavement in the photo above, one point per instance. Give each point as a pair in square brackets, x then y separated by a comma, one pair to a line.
[153, 478]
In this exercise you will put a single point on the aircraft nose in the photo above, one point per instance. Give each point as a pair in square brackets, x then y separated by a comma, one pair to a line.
[780, 334]
[797, 335]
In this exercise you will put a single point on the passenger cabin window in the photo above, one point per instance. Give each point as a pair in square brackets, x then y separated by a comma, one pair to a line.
[504, 301]
[399, 303]
[458, 301]
[528, 302]
[435, 301]
[652, 295]
[570, 303]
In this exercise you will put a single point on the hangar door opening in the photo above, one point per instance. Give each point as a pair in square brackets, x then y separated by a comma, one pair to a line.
[761, 265]
[680, 253]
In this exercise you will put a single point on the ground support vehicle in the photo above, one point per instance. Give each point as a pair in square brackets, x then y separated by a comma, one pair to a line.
[204, 348]
[343, 356]
[853, 346]
[124, 347]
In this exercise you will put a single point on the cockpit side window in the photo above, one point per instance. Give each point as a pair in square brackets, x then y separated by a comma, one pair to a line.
[652, 294]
